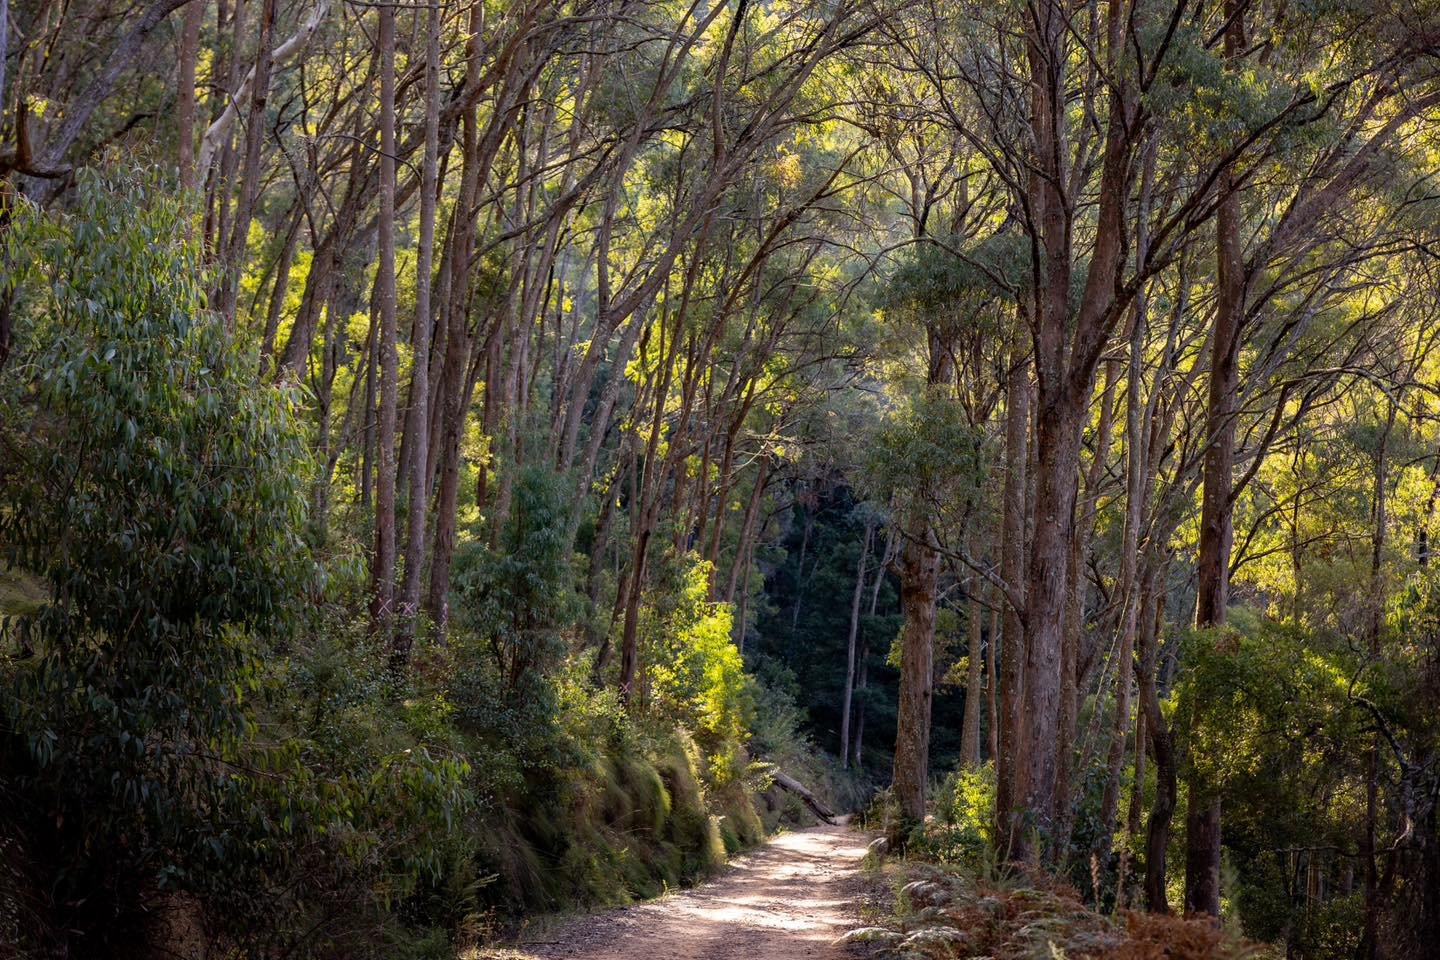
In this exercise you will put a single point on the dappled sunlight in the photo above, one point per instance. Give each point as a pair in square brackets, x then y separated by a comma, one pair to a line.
[788, 900]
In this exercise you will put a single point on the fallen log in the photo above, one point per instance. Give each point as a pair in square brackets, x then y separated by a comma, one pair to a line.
[789, 784]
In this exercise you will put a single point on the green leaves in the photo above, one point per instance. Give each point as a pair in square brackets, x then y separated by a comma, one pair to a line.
[159, 497]
[518, 597]
[927, 452]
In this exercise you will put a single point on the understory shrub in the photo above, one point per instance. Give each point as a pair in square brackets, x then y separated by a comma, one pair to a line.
[165, 777]
[205, 748]
[944, 912]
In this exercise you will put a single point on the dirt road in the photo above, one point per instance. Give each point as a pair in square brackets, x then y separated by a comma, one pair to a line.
[788, 900]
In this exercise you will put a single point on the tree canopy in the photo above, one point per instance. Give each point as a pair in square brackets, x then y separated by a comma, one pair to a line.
[464, 458]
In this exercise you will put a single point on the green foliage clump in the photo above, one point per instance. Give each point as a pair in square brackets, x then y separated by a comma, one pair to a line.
[178, 751]
[698, 678]
[206, 748]
[961, 828]
[157, 494]
[927, 453]
[517, 596]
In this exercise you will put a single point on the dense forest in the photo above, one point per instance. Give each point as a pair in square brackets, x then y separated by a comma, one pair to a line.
[467, 459]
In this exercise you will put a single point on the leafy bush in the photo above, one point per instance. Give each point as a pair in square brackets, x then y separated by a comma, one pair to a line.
[205, 748]
[157, 493]
[963, 827]
[171, 774]
[517, 596]
[697, 677]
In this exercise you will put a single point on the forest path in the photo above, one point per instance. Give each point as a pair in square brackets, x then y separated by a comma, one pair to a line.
[788, 900]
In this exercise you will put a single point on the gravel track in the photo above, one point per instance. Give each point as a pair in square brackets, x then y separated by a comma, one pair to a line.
[788, 900]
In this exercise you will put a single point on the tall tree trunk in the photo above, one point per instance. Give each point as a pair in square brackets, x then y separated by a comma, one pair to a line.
[970, 729]
[1010, 782]
[280, 288]
[1068, 348]
[1137, 790]
[452, 390]
[992, 684]
[919, 573]
[1057, 461]
[881, 568]
[744, 611]
[1056, 443]
[864, 684]
[1074, 627]
[185, 87]
[855, 599]
[1131, 598]
[5, 54]
[1374, 622]
[800, 565]
[1157, 831]
[382, 571]
[417, 422]
[747, 529]
[1202, 816]
[234, 260]
[919, 580]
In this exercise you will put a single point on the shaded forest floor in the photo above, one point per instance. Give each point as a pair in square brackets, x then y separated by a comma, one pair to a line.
[789, 900]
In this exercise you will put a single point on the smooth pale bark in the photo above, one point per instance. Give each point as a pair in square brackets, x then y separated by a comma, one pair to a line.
[215, 171]
[850, 650]
[382, 570]
[992, 684]
[970, 728]
[216, 134]
[220, 173]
